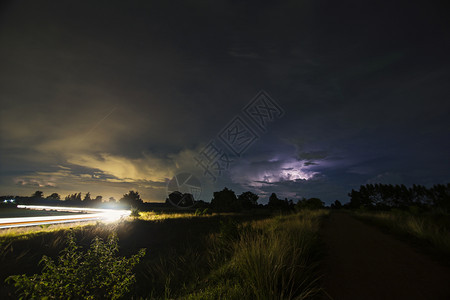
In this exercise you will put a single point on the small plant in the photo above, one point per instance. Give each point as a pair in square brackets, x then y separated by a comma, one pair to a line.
[135, 213]
[97, 273]
[202, 212]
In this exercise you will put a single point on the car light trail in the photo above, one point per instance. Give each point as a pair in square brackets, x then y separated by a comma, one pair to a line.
[90, 214]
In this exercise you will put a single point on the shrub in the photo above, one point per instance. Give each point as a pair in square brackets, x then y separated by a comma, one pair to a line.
[135, 213]
[202, 212]
[97, 273]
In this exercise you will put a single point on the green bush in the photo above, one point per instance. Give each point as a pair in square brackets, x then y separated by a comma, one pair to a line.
[98, 273]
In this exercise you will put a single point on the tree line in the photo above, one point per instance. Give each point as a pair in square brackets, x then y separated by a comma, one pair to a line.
[130, 199]
[225, 200]
[387, 196]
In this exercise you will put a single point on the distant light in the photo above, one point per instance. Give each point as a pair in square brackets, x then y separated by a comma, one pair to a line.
[9, 201]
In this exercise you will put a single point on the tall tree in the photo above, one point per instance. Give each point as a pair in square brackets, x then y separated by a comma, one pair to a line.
[54, 196]
[131, 199]
[336, 205]
[225, 200]
[248, 200]
[98, 199]
[273, 200]
[38, 194]
[275, 203]
[87, 198]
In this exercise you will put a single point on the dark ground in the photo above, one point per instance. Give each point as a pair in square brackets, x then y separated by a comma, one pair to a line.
[364, 263]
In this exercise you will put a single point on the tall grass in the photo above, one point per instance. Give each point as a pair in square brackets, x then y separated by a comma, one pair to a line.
[269, 259]
[222, 256]
[30, 231]
[156, 216]
[427, 228]
[277, 261]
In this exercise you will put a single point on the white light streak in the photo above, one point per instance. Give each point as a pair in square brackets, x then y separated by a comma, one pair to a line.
[90, 214]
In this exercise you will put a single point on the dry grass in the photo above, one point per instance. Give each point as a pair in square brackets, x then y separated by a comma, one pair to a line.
[427, 228]
[24, 232]
[153, 216]
[268, 259]
[218, 256]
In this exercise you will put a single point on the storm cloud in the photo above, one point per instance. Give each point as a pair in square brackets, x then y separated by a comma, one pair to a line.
[111, 96]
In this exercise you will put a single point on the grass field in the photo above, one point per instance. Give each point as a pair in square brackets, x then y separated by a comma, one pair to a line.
[194, 257]
[274, 258]
[429, 230]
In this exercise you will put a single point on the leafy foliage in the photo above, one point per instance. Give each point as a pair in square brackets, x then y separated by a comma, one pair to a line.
[94, 274]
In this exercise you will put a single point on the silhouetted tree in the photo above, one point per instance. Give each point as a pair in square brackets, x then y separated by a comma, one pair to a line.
[311, 203]
[38, 194]
[336, 205]
[387, 196]
[97, 201]
[180, 200]
[248, 200]
[132, 199]
[87, 198]
[73, 199]
[359, 198]
[174, 198]
[225, 200]
[273, 200]
[187, 200]
[275, 203]
[54, 196]
[440, 196]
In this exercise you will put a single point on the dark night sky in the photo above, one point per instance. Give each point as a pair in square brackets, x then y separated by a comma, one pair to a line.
[108, 96]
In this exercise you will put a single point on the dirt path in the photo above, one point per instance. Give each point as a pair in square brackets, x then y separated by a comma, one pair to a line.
[363, 263]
